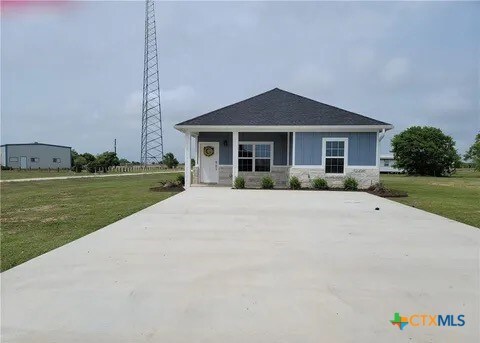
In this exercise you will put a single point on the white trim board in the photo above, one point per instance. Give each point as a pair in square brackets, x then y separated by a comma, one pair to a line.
[283, 128]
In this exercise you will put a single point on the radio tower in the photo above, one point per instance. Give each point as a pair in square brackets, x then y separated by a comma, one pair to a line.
[152, 140]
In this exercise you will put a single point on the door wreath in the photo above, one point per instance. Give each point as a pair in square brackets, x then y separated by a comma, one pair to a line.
[208, 151]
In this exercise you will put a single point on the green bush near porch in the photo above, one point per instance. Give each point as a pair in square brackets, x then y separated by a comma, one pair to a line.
[350, 184]
[239, 182]
[294, 183]
[319, 183]
[267, 182]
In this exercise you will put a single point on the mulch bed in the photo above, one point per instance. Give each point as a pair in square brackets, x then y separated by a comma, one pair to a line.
[176, 189]
[389, 193]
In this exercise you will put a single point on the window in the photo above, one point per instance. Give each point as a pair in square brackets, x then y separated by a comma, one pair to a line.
[255, 157]
[34, 159]
[334, 156]
[13, 159]
[56, 160]
[386, 163]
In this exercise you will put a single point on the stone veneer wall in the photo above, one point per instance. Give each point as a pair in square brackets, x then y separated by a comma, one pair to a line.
[225, 175]
[365, 177]
[279, 174]
[195, 172]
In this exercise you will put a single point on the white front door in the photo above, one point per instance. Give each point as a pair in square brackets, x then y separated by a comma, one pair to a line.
[23, 162]
[209, 158]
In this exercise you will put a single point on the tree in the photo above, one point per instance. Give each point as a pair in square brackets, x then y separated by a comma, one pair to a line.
[106, 160]
[123, 161]
[89, 157]
[169, 160]
[73, 155]
[79, 163]
[425, 151]
[473, 154]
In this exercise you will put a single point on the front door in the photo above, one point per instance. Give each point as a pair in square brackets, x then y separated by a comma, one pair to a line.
[209, 157]
[23, 162]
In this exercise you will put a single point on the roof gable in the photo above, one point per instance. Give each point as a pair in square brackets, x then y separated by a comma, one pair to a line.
[282, 108]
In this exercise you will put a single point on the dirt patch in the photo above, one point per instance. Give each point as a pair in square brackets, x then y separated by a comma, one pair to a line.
[43, 208]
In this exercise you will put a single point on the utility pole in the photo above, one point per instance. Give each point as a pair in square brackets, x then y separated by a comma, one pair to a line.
[115, 145]
[152, 139]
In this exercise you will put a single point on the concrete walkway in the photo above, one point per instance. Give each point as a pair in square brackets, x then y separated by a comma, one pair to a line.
[222, 265]
[88, 176]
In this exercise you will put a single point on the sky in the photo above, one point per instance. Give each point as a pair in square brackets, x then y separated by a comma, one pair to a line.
[71, 74]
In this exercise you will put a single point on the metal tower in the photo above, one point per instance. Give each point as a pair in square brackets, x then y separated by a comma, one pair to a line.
[152, 140]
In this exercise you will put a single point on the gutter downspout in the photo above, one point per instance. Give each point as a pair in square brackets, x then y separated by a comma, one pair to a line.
[381, 135]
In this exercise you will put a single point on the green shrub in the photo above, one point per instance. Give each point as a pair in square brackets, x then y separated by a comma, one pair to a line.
[319, 183]
[294, 183]
[350, 184]
[267, 182]
[239, 182]
[181, 179]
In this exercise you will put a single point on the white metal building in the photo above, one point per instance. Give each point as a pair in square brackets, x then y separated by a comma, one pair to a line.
[387, 164]
[36, 156]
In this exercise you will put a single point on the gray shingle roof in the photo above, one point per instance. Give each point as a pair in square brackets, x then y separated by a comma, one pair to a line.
[279, 107]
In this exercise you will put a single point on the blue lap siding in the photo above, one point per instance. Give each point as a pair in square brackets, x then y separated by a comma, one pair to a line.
[279, 140]
[362, 147]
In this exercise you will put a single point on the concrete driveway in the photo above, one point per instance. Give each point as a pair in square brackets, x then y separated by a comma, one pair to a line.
[220, 265]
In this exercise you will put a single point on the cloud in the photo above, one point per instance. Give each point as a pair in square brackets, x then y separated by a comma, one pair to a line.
[312, 77]
[447, 100]
[395, 70]
[362, 59]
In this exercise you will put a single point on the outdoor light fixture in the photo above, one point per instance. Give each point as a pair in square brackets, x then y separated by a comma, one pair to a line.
[225, 143]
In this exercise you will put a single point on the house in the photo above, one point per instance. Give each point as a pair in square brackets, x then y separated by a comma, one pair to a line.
[281, 134]
[36, 156]
[387, 163]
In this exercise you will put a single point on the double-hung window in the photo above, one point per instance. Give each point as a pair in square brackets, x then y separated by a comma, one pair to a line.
[335, 155]
[255, 157]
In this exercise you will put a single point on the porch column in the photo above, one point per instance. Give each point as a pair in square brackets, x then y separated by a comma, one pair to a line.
[188, 161]
[234, 156]
[288, 148]
[293, 148]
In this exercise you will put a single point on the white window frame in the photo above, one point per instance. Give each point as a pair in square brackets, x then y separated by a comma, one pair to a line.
[345, 154]
[35, 159]
[254, 157]
[56, 160]
[13, 159]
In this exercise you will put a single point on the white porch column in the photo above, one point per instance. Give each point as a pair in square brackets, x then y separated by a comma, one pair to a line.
[188, 161]
[288, 148]
[234, 156]
[293, 148]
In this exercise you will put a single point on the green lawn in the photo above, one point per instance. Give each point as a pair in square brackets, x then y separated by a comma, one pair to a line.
[456, 197]
[30, 174]
[40, 216]
[26, 174]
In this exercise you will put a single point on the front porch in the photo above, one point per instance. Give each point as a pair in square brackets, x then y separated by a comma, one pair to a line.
[258, 154]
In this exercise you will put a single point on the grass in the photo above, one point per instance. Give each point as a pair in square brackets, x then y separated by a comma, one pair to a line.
[37, 217]
[25, 174]
[456, 197]
[36, 173]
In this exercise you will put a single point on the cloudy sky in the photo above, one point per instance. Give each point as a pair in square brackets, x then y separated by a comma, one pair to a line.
[72, 74]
